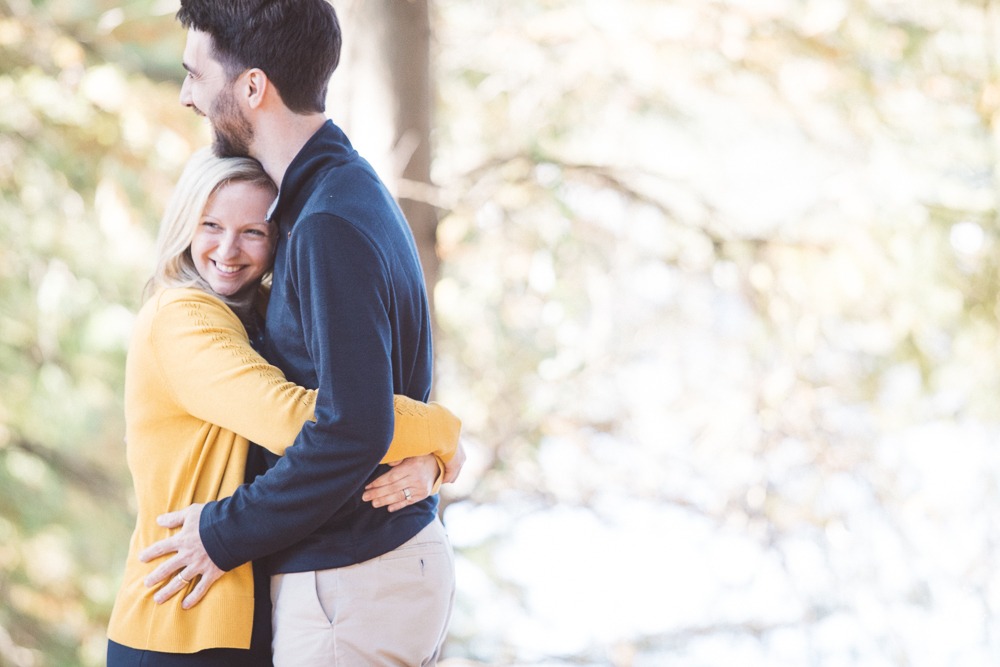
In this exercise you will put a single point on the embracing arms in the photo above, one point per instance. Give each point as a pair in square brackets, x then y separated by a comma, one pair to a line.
[207, 363]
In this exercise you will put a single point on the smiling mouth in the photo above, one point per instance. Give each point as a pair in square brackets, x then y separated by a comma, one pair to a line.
[227, 268]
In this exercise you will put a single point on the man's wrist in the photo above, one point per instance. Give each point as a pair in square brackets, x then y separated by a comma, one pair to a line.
[211, 540]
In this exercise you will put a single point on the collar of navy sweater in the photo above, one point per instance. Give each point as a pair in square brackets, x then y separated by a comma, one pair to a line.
[328, 148]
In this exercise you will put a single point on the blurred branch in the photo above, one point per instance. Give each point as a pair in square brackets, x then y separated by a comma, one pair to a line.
[11, 654]
[86, 476]
[17, 8]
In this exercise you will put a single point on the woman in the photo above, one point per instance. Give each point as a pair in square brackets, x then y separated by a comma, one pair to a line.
[196, 393]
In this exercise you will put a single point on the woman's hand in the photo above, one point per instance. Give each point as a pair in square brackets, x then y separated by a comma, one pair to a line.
[410, 481]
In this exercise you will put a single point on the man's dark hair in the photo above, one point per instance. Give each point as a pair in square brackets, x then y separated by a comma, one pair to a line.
[295, 42]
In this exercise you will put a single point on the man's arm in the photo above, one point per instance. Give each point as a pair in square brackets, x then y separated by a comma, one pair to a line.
[343, 296]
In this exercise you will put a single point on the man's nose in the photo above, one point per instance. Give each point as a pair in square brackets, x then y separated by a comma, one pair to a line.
[185, 98]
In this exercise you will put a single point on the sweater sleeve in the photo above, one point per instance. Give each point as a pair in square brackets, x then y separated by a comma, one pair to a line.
[212, 372]
[422, 428]
[343, 295]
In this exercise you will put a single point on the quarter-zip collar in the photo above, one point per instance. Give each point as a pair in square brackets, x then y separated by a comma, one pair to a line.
[328, 148]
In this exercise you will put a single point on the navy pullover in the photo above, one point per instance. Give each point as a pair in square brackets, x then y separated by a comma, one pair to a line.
[348, 315]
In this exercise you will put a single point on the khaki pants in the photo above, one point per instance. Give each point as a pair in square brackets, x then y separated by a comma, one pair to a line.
[391, 610]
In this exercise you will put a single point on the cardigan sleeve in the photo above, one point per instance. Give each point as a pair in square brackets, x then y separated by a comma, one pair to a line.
[422, 428]
[212, 372]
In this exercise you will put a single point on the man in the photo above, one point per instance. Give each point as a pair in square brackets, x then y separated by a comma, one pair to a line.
[348, 315]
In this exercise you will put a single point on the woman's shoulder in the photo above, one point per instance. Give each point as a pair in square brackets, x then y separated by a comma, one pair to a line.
[187, 299]
[170, 295]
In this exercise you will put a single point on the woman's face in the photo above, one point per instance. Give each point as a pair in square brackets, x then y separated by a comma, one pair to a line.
[234, 244]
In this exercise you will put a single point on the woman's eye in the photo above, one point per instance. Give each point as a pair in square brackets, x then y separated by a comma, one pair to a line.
[210, 225]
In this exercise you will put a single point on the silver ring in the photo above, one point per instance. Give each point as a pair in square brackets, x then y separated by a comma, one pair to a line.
[407, 494]
[186, 582]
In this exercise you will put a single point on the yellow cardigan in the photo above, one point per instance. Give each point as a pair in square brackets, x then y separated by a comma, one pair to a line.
[192, 383]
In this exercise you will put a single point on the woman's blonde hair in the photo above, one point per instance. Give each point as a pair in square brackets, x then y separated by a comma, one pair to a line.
[203, 175]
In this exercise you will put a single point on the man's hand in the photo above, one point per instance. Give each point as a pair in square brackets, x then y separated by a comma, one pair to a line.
[190, 560]
[453, 467]
[409, 481]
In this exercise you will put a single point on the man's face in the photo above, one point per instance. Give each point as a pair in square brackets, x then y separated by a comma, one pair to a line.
[207, 91]
[233, 132]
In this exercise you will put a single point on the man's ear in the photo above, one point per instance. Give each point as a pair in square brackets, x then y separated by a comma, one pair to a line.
[258, 86]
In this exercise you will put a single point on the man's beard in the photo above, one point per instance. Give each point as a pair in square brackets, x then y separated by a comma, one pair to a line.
[233, 132]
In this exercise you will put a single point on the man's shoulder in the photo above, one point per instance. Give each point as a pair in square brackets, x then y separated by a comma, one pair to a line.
[353, 197]
[341, 185]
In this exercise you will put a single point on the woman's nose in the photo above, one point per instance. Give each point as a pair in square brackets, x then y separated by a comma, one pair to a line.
[229, 246]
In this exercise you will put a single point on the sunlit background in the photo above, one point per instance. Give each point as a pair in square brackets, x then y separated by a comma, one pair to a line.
[717, 303]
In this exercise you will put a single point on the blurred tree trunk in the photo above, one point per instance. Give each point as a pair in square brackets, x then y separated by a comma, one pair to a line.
[382, 95]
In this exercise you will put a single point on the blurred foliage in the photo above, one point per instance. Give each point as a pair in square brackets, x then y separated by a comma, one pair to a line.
[91, 140]
[736, 261]
[719, 304]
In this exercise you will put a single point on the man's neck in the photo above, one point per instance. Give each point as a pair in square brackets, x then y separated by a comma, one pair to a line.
[279, 138]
